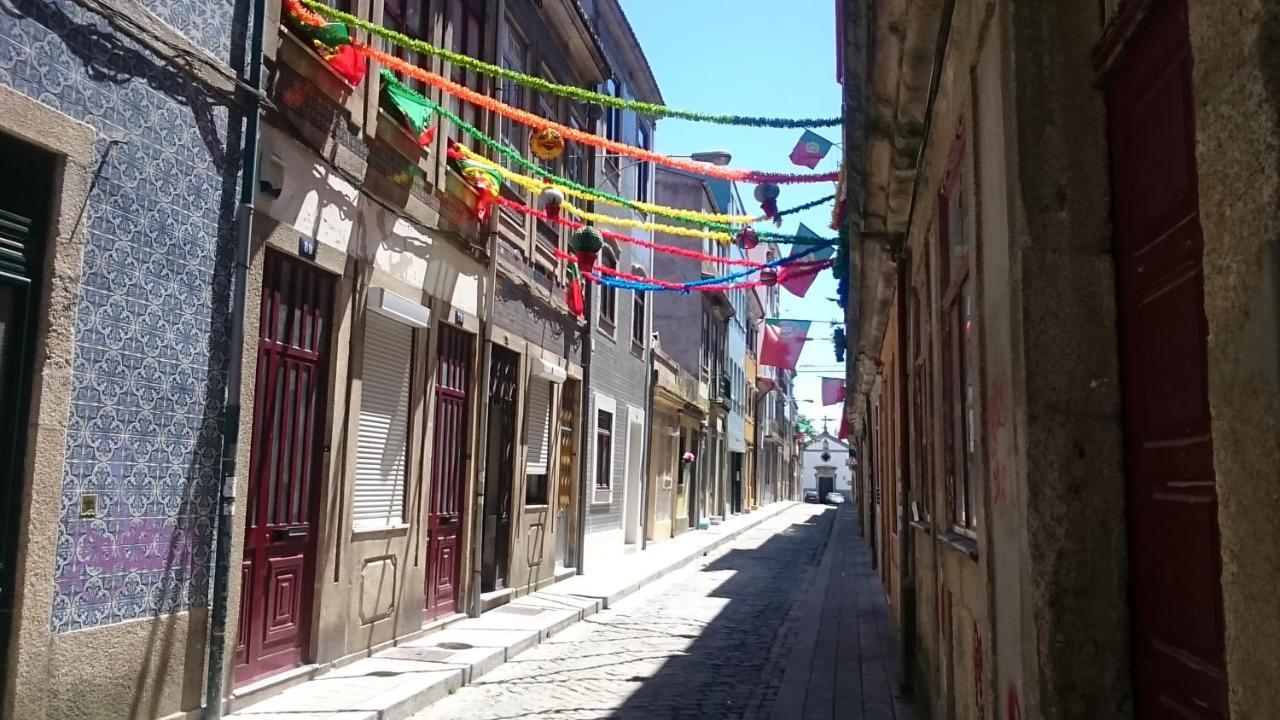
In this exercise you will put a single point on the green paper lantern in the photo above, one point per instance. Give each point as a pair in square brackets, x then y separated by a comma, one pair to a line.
[586, 240]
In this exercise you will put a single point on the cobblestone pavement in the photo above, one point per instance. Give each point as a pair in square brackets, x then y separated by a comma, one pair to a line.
[708, 642]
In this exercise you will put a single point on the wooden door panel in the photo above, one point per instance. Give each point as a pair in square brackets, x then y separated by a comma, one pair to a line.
[284, 466]
[449, 470]
[1175, 559]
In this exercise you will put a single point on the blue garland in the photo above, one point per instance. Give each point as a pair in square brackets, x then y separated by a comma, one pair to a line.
[687, 287]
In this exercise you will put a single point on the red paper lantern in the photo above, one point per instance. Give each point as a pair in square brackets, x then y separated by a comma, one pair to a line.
[769, 276]
[748, 239]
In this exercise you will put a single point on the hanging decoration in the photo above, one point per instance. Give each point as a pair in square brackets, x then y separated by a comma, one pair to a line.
[767, 195]
[618, 237]
[611, 277]
[586, 244]
[414, 112]
[782, 341]
[573, 296]
[718, 221]
[769, 277]
[547, 144]
[484, 180]
[838, 340]
[537, 122]
[832, 390]
[322, 12]
[795, 281]
[332, 40]
[748, 239]
[810, 149]
[551, 199]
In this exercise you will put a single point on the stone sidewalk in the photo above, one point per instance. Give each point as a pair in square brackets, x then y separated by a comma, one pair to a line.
[844, 659]
[400, 681]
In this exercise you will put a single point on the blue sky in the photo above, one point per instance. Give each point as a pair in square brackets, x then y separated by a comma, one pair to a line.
[764, 58]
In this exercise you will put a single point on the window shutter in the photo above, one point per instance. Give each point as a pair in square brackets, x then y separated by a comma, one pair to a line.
[537, 426]
[382, 442]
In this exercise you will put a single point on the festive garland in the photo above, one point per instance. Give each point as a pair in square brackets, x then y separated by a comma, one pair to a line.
[571, 188]
[619, 237]
[537, 122]
[540, 85]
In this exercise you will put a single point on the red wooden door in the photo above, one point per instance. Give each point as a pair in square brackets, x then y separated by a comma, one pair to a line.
[1175, 569]
[449, 471]
[278, 567]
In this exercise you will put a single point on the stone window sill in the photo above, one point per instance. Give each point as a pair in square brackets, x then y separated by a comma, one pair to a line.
[961, 544]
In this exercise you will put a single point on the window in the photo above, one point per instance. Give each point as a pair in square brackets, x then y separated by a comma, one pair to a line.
[515, 51]
[537, 435]
[644, 170]
[613, 130]
[705, 345]
[382, 447]
[957, 324]
[638, 317]
[604, 450]
[921, 487]
[608, 295]
[408, 17]
[466, 23]
[575, 158]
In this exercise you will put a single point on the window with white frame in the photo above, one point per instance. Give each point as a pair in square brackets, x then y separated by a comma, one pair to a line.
[537, 435]
[606, 410]
[608, 295]
[639, 316]
[382, 447]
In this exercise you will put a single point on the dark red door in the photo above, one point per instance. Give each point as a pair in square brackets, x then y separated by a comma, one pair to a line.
[285, 460]
[449, 471]
[1175, 568]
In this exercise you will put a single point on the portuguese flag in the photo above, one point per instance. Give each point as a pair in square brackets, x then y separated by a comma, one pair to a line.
[810, 150]
[782, 342]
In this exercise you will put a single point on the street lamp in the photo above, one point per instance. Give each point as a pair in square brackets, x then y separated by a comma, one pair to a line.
[719, 158]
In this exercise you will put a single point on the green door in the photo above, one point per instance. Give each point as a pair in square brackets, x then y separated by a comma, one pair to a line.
[26, 176]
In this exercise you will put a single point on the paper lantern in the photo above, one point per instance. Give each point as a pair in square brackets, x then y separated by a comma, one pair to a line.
[586, 244]
[767, 195]
[547, 144]
[748, 239]
[769, 276]
[551, 199]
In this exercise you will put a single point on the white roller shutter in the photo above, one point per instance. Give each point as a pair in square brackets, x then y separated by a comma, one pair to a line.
[537, 427]
[382, 442]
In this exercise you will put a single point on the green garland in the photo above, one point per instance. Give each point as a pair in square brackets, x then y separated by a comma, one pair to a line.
[568, 91]
[520, 160]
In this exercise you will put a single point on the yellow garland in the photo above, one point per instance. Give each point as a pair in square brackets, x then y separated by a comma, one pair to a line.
[718, 236]
[536, 185]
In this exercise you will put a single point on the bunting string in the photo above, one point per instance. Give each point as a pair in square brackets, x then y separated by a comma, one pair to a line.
[318, 12]
[718, 221]
[619, 237]
[536, 122]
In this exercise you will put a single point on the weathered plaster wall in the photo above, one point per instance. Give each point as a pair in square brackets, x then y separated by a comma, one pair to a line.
[1236, 80]
[1069, 411]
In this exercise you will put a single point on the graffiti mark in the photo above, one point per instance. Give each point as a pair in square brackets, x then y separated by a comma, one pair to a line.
[1015, 708]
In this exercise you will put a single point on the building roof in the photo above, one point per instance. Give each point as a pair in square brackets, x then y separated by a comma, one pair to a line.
[647, 89]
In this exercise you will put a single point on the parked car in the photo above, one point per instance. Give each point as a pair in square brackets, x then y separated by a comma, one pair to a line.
[811, 496]
[834, 498]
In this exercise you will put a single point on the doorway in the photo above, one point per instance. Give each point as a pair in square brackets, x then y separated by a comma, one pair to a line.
[495, 549]
[1174, 553]
[450, 445]
[735, 482]
[567, 471]
[635, 463]
[26, 184]
[284, 465]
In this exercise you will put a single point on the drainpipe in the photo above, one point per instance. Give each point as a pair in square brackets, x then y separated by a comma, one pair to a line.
[482, 428]
[588, 422]
[645, 462]
[216, 667]
[906, 578]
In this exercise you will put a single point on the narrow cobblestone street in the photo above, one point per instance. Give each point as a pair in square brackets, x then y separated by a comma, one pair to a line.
[711, 641]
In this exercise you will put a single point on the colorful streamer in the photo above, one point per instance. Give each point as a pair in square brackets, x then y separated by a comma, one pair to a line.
[618, 237]
[537, 122]
[322, 11]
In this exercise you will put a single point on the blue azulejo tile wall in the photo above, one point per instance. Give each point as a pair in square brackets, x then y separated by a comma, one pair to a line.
[151, 323]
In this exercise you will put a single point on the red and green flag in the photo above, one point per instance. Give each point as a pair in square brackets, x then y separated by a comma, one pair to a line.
[797, 279]
[832, 390]
[810, 150]
[782, 342]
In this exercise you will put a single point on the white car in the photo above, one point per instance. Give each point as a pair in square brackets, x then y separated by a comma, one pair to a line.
[834, 498]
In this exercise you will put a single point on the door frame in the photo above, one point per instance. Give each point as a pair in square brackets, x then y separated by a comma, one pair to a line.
[37, 506]
[632, 497]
